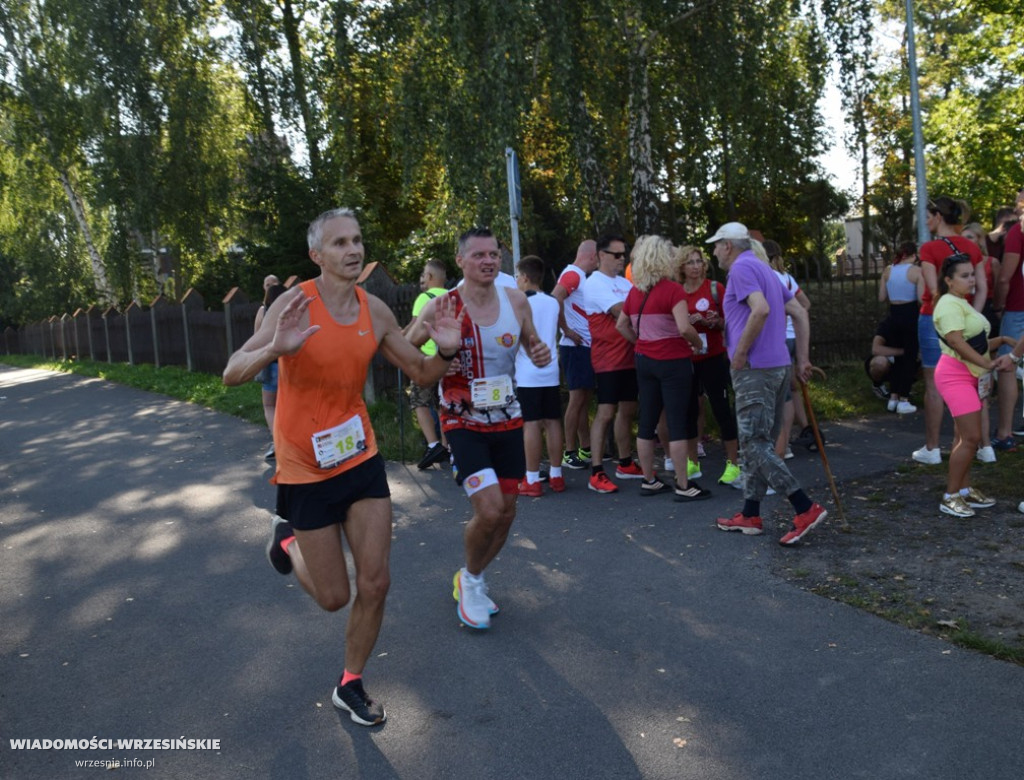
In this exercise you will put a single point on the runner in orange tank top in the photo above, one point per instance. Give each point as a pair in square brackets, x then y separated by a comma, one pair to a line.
[330, 479]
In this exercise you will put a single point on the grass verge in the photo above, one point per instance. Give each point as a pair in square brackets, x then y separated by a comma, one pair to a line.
[244, 401]
[845, 393]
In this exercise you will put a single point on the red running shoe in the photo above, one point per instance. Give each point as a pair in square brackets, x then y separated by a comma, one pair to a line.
[740, 522]
[632, 471]
[532, 489]
[557, 484]
[600, 483]
[803, 523]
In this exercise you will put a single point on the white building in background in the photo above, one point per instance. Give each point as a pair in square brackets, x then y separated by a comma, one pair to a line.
[850, 261]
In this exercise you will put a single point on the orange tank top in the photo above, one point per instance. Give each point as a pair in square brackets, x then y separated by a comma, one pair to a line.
[319, 388]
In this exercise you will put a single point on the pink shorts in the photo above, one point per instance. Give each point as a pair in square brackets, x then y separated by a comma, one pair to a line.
[957, 386]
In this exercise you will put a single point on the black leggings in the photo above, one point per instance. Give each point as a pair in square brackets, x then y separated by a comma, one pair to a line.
[711, 378]
[903, 326]
[663, 384]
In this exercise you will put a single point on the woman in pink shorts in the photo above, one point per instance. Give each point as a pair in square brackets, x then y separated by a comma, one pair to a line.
[962, 375]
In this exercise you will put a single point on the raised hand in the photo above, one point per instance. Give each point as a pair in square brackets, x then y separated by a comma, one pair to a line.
[446, 329]
[289, 335]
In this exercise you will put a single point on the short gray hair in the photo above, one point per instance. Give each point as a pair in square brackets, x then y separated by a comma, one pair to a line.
[315, 234]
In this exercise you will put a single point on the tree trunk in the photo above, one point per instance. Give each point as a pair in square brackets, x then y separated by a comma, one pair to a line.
[603, 211]
[99, 270]
[646, 214]
[291, 34]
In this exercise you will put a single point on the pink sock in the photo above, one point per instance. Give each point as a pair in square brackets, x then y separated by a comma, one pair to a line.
[348, 677]
[285, 543]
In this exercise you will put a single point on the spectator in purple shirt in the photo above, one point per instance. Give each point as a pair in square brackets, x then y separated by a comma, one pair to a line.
[756, 305]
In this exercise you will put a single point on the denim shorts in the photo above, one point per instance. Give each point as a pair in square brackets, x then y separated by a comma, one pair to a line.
[1012, 325]
[270, 375]
[928, 341]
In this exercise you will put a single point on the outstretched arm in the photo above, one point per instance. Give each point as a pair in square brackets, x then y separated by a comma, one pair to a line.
[283, 331]
[442, 326]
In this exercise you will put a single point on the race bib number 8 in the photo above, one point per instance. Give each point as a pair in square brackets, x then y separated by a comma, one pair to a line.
[340, 443]
[492, 392]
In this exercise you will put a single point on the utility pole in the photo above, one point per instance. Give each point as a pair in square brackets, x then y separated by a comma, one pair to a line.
[915, 113]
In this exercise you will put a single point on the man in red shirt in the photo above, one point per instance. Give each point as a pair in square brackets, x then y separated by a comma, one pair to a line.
[614, 364]
[1009, 302]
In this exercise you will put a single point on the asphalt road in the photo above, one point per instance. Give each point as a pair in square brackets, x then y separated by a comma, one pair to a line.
[635, 639]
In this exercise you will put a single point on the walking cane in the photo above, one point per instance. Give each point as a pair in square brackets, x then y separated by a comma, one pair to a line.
[821, 446]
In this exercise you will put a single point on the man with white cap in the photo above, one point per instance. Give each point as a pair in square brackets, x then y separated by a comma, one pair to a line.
[755, 306]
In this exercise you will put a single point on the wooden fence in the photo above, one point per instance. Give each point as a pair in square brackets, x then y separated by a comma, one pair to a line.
[188, 334]
[844, 313]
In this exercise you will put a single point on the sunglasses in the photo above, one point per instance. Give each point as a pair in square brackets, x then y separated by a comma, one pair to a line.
[616, 255]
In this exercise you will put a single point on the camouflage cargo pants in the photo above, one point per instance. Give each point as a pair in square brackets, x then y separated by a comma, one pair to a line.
[760, 398]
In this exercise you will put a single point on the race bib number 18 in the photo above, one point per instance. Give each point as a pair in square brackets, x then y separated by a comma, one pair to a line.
[338, 444]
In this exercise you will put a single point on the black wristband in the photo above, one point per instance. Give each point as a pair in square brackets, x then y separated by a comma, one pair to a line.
[443, 356]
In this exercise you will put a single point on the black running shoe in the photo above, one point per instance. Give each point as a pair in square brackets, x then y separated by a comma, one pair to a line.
[280, 529]
[692, 492]
[432, 455]
[807, 438]
[362, 709]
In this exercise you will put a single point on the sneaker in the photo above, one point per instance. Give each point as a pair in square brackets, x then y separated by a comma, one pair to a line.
[701, 452]
[731, 476]
[751, 526]
[788, 454]
[905, 407]
[803, 523]
[600, 483]
[928, 457]
[986, 454]
[557, 484]
[432, 455]
[893, 403]
[532, 489]
[360, 707]
[491, 606]
[585, 455]
[653, 488]
[1005, 445]
[474, 606]
[280, 529]
[543, 476]
[978, 500]
[632, 471]
[956, 506]
[669, 466]
[693, 470]
[807, 436]
[692, 492]
[269, 454]
[881, 391]
[1018, 431]
[573, 461]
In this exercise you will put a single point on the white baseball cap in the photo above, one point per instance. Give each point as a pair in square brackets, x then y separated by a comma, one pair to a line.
[730, 231]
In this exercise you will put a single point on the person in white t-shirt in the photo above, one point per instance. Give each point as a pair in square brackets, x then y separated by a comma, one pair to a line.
[574, 354]
[614, 362]
[793, 411]
[538, 388]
